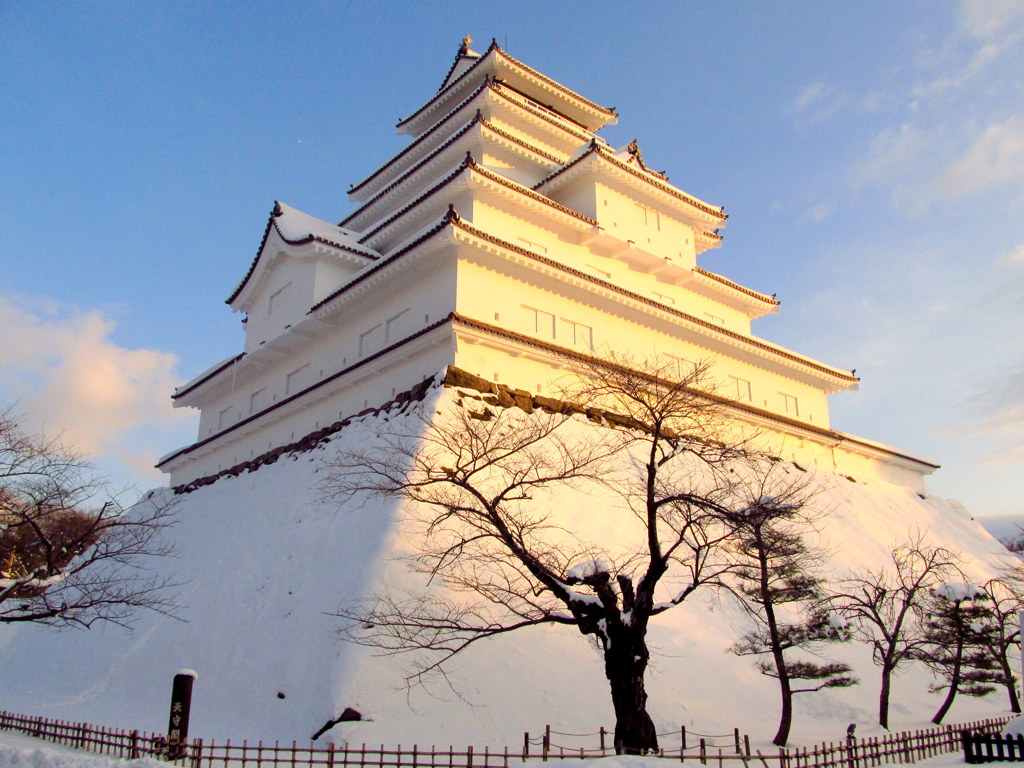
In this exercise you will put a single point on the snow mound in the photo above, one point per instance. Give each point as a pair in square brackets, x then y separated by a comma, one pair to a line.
[264, 563]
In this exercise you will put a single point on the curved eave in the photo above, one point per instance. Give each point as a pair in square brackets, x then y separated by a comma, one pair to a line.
[342, 249]
[182, 394]
[760, 302]
[706, 213]
[324, 306]
[360, 218]
[835, 378]
[487, 90]
[590, 115]
[467, 173]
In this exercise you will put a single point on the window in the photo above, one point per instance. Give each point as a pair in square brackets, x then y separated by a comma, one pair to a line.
[393, 327]
[293, 382]
[715, 318]
[256, 400]
[370, 341]
[223, 417]
[790, 405]
[540, 322]
[578, 334]
[276, 299]
[650, 218]
[599, 272]
[739, 388]
[684, 367]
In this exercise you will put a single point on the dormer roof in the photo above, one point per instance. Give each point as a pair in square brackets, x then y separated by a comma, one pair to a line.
[296, 228]
[597, 157]
[467, 73]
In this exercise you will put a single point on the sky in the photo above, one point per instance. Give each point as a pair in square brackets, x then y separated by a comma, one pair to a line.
[870, 156]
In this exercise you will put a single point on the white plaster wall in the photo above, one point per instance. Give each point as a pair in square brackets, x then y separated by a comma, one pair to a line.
[419, 294]
[493, 291]
[282, 298]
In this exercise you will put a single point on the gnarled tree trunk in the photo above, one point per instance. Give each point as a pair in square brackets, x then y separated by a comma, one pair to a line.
[625, 661]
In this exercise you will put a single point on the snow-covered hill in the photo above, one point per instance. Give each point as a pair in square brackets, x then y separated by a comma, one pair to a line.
[263, 562]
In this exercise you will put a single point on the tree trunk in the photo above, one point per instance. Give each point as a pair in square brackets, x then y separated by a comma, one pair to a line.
[954, 684]
[883, 697]
[625, 663]
[1011, 685]
[786, 717]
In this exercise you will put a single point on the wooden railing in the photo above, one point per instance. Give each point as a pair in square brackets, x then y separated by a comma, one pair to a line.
[904, 747]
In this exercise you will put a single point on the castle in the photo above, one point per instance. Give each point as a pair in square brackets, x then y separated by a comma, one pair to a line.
[505, 239]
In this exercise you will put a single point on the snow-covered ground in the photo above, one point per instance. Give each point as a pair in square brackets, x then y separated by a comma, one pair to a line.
[20, 751]
[263, 563]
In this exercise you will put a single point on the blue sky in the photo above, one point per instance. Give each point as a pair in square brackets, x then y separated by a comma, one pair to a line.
[870, 155]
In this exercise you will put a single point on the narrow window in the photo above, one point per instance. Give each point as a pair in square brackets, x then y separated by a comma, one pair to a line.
[276, 299]
[256, 400]
[740, 388]
[293, 382]
[223, 417]
[540, 322]
[790, 405]
[369, 341]
[392, 327]
[578, 334]
[682, 367]
[715, 318]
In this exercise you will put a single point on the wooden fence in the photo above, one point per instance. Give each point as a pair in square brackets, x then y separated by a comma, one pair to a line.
[897, 748]
[982, 748]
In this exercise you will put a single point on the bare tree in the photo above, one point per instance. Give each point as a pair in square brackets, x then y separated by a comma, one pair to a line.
[885, 607]
[781, 592]
[481, 477]
[70, 554]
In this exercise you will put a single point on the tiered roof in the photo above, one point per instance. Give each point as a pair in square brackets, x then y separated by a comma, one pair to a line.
[498, 64]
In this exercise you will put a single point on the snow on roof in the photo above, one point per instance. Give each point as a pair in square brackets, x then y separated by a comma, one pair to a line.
[296, 227]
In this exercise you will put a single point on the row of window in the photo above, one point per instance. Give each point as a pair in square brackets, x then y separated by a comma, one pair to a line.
[547, 325]
[737, 388]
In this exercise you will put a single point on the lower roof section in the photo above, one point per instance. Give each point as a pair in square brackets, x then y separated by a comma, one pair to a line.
[442, 336]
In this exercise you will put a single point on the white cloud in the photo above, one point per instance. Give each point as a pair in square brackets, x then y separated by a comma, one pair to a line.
[1012, 259]
[69, 377]
[985, 18]
[994, 158]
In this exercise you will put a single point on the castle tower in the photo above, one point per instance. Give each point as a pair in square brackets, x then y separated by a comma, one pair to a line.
[505, 239]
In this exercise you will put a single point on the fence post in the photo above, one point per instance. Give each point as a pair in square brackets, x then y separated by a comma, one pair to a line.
[746, 744]
[546, 744]
[682, 732]
[602, 739]
[526, 744]
[469, 757]
[703, 752]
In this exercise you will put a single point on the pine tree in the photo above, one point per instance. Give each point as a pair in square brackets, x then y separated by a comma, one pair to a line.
[784, 597]
[958, 628]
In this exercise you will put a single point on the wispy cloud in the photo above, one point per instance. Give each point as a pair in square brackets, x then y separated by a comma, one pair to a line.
[68, 376]
[1012, 259]
[986, 18]
[994, 158]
